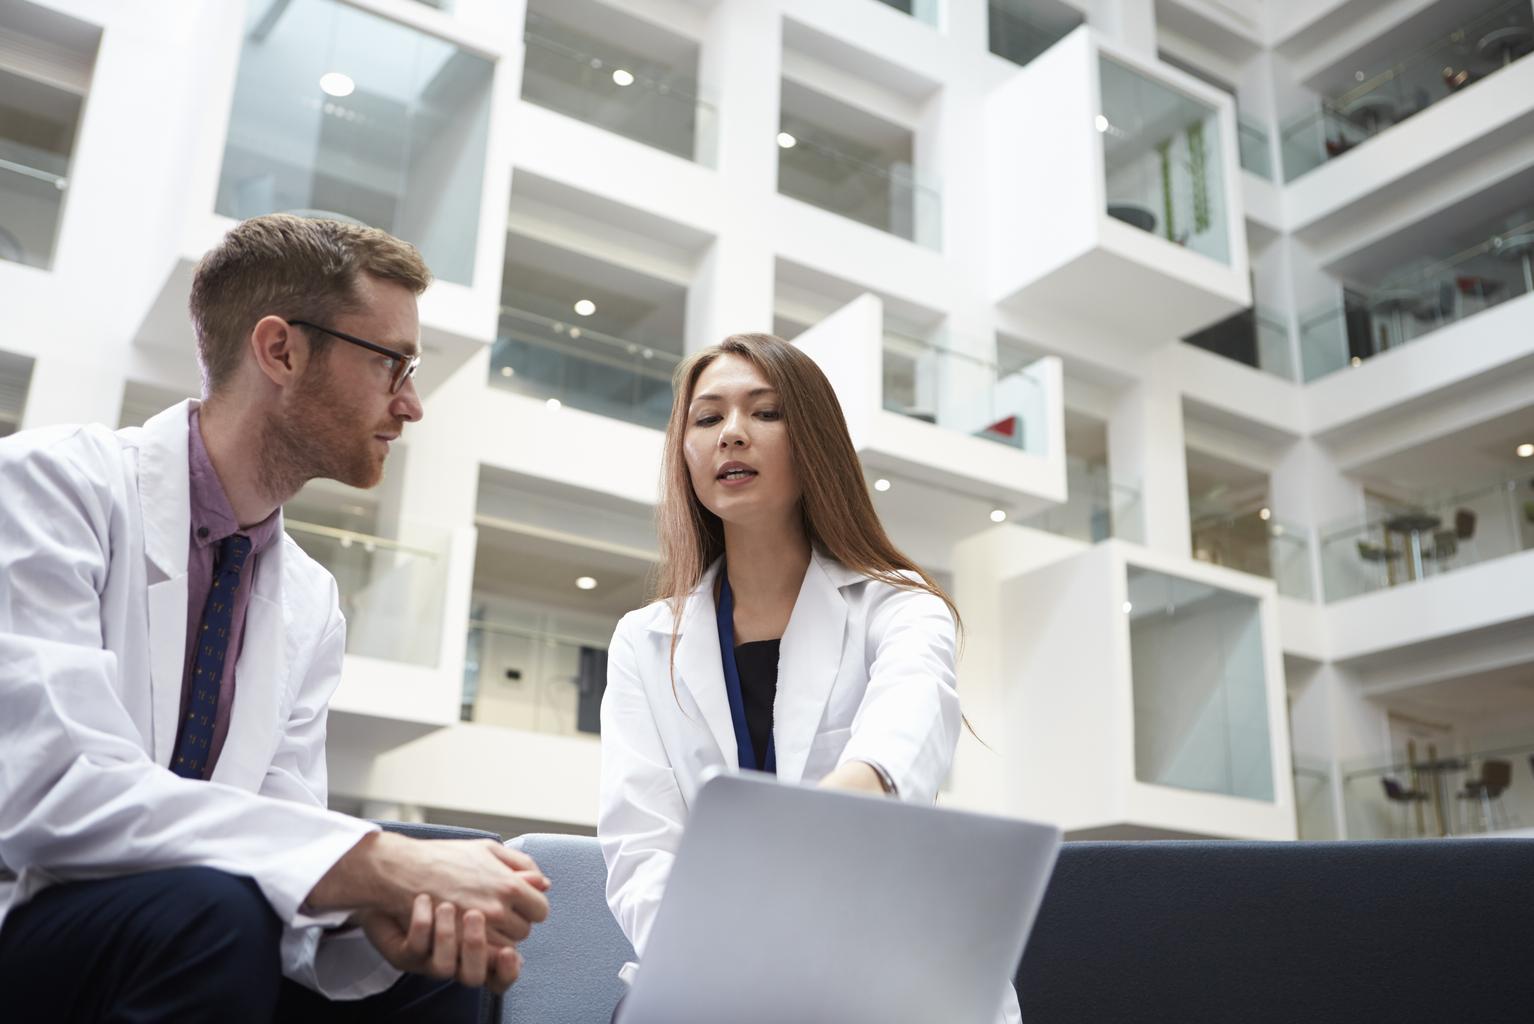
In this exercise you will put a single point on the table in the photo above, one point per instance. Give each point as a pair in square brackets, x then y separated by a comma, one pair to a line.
[1369, 110]
[1518, 247]
[1438, 768]
[1504, 43]
[1414, 525]
[1135, 214]
[1393, 302]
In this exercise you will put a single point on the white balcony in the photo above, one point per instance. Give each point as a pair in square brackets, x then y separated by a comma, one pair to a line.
[944, 417]
[1115, 185]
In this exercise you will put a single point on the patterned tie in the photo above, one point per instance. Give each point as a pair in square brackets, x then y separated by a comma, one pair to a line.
[192, 749]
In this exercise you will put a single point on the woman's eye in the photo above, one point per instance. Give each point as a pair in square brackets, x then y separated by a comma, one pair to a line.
[770, 414]
[708, 419]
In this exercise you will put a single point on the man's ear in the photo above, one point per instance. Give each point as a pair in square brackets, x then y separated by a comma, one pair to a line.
[281, 351]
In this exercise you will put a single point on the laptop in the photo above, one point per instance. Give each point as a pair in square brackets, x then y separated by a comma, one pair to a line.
[793, 905]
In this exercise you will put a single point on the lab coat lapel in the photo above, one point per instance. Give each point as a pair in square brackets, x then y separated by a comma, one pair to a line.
[699, 666]
[164, 489]
[808, 661]
[259, 679]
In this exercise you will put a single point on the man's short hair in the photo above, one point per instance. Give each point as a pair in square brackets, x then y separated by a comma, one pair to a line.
[293, 267]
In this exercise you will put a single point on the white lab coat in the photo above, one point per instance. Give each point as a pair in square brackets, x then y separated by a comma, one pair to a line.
[94, 533]
[865, 673]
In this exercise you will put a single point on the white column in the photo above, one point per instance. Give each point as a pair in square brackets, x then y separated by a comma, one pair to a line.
[1130, 23]
[74, 384]
[1146, 453]
[1307, 489]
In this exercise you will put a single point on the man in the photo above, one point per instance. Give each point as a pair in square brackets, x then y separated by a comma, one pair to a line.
[167, 655]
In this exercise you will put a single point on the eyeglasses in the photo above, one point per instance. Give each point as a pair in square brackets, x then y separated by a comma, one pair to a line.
[404, 366]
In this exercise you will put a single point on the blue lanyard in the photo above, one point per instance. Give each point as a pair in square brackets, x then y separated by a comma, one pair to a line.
[746, 754]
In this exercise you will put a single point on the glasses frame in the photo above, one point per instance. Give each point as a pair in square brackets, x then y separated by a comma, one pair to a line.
[404, 365]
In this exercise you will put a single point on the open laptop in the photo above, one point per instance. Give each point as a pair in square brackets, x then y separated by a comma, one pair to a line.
[793, 905]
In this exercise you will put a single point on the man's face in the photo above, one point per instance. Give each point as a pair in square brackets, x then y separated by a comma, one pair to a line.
[341, 419]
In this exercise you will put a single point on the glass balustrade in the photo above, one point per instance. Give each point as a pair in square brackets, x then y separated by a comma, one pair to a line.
[592, 80]
[1458, 786]
[521, 675]
[1417, 541]
[562, 361]
[1257, 337]
[922, 10]
[1018, 33]
[1313, 799]
[37, 133]
[857, 182]
[1256, 543]
[1200, 687]
[965, 394]
[1420, 297]
[1256, 150]
[1162, 156]
[1482, 46]
[1094, 508]
[391, 592]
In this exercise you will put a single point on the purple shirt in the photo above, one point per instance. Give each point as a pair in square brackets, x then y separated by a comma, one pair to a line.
[213, 520]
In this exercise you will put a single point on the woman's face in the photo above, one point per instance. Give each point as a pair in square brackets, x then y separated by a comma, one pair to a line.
[736, 445]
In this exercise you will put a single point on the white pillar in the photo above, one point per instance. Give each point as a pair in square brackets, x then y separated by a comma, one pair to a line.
[1130, 23]
[74, 384]
[1146, 453]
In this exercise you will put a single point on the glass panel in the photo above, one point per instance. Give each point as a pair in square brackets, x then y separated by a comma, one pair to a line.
[1200, 687]
[1019, 31]
[391, 593]
[15, 381]
[1257, 337]
[1313, 799]
[1256, 543]
[37, 137]
[341, 113]
[1464, 786]
[857, 182]
[1094, 508]
[963, 393]
[584, 369]
[1162, 156]
[1407, 86]
[921, 10]
[1256, 155]
[592, 80]
[520, 672]
[1414, 541]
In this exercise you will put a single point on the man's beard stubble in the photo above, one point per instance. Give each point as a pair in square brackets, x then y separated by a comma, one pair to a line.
[312, 437]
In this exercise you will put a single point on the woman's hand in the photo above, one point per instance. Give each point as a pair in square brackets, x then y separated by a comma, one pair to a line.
[855, 777]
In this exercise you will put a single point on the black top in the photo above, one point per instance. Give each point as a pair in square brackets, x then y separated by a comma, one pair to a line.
[757, 663]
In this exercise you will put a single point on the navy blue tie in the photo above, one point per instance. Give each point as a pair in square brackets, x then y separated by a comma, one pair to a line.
[194, 745]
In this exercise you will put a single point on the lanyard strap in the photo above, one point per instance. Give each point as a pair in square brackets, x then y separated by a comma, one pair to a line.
[746, 753]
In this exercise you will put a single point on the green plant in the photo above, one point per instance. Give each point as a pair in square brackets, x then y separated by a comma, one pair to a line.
[1198, 158]
[1165, 149]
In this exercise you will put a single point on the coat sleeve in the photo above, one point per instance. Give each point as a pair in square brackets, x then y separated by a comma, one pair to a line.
[79, 797]
[908, 721]
[641, 809]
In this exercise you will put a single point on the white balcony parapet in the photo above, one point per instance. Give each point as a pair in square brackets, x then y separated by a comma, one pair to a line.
[1116, 189]
[961, 424]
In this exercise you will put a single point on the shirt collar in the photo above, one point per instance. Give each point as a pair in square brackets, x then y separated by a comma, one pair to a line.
[213, 517]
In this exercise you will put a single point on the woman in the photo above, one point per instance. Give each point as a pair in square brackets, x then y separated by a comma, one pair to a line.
[791, 637]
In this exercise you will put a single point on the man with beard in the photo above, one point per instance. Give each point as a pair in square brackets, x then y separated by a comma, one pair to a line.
[167, 655]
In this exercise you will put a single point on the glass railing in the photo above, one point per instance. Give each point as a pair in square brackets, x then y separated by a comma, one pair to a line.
[964, 393]
[1258, 337]
[1200, 723]
[342, 113]
[921, 10]
[561, 361]
[857, 183]
[1020, 38]
[1313, 799]
[1431, 538]
[1457, 786]
[1419, 298]
[1256, 543]
[1094, 508]
[1256, 150]
[1481, 47]
[1161, 153]
[33, 181]
[587, 79]
[391, 592]
[533, 679]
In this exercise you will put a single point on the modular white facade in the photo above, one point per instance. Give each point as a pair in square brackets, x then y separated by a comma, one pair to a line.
[1234, 294]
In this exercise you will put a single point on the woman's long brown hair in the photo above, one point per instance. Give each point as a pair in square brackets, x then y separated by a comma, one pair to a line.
[839, 516]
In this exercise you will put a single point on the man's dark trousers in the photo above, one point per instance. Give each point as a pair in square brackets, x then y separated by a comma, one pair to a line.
[179, 945]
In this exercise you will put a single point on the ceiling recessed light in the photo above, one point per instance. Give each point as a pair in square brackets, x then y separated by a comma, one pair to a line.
[998, 515]
[1265, 514]
[507, 371]
[585, 307]
[622, 77]
[585, 583]
[1101, 122]
[1525, 451]
[1358, 76]
[881, 484]
[334, 83]
[787, 141]
[1128, 607]
[1356, 361]
[554, 403]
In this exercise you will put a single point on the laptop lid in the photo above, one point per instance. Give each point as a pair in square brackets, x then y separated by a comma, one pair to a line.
[794, 904]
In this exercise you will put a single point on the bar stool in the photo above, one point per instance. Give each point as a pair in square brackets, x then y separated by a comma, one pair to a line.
[1399, 794]
[1486, 793]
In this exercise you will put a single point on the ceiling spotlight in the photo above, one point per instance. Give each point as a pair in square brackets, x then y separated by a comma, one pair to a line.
[881, 484]
[333, 83]
[1101, 122]
[1265, 514]
[998, 515]
[585, 307]
[621, 77]
[1128, 607]
[787, 141]
[507, 371]
[1358, 76]
[554, 404]
[1355, 361]
[585, 583]
[1525, 451]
